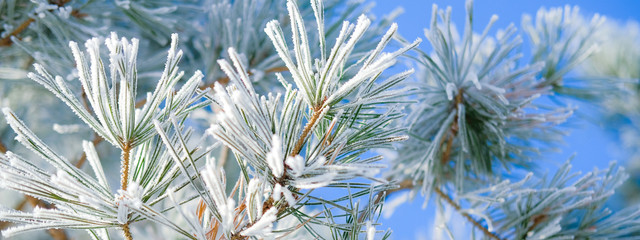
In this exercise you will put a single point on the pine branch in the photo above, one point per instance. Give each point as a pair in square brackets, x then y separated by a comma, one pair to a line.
[269, 136]
[475, 104]
[88, 200]
[56, 234]
[445, 159]
[317, 112]
[78, 163]
[270, 202]
[6, 41]
[408, 184]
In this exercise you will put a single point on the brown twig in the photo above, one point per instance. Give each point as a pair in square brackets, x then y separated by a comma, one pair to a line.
[127, 231]
[59, 3]
[124, 166]
[453, 130]
[317, 111]
[446, 155]
[6, 41]
[465, 215]
[124, 182]
[3, 148]
[408, 184]
[85, 102]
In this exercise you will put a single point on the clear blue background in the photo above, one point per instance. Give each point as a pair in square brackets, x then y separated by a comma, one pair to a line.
[594, 145]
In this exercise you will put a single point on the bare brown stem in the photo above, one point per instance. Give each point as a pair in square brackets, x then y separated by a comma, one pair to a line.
[126, 231]
[453, 130]
[317, 111]
[3, 148]
[6, 41]
[465, 215]
[124, 182]
[124, 166]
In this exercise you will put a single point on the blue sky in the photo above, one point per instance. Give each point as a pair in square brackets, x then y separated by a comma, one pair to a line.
[593, 146]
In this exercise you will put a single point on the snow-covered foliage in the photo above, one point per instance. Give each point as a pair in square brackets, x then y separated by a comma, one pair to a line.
[278, 135]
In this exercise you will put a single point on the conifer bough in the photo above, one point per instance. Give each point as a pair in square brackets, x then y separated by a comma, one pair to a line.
[462, 123]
